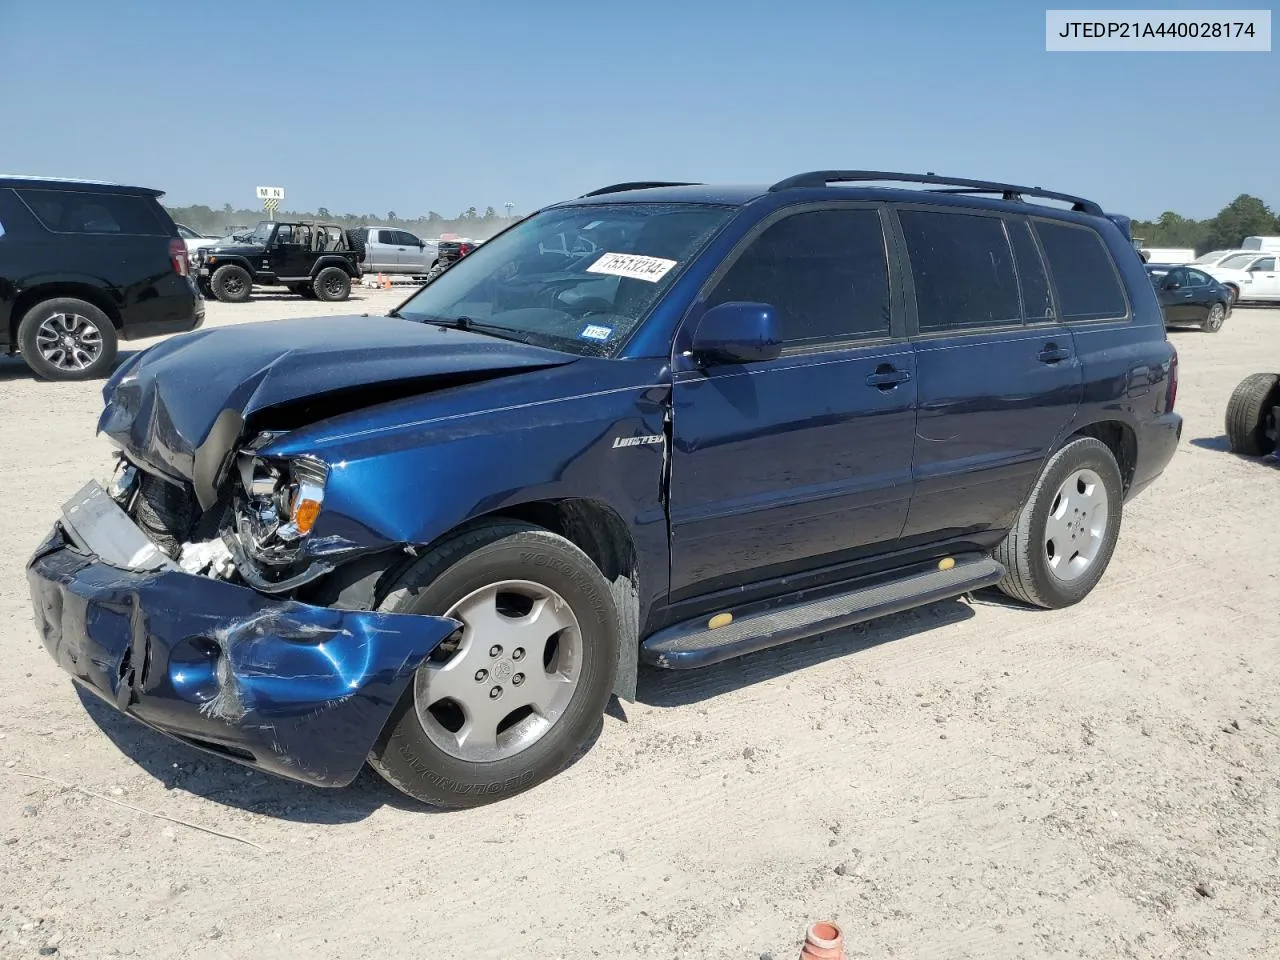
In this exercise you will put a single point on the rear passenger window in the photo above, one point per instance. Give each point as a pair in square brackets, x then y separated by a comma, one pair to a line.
[1083, 272]
[963, 270]
[65, 211]
[825, 271]
[1037, 303]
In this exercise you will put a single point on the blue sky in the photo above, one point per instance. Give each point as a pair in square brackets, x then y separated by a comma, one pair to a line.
[408, 106]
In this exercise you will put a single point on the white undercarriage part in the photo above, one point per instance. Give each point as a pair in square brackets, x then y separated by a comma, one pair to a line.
[211, 558]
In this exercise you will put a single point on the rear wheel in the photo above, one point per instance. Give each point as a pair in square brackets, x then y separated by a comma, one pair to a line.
[332, 284]
[67, 339]
[1064, 537]
[1217, 316]
[231, 284]
[1251, 426]
[512, 697]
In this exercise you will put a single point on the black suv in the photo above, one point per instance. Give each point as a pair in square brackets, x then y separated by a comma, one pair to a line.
[83, 265]
[314, 260]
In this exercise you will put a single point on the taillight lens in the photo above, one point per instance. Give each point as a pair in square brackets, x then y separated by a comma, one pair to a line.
[178, 255]
[464, 249]
[1172, 395]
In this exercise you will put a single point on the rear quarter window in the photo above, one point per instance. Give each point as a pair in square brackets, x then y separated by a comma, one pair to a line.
[1084, 275]
[66, 211]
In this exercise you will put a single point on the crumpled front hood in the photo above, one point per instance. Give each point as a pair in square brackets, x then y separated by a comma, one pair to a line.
[181, 406]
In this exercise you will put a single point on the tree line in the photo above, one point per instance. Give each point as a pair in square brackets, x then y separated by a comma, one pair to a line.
[216, 223]
[1245, 216]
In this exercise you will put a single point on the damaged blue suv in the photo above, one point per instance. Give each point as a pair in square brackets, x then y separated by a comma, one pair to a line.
[668, 424]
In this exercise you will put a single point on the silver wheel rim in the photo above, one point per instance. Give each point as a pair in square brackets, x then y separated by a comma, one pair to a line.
[503, 682]
[1216, 314]
[1076, 527]
[69, 341]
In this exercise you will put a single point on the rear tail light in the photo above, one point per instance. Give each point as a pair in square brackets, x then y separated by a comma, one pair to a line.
[464, 249]
[1172, 395]
[178, 256]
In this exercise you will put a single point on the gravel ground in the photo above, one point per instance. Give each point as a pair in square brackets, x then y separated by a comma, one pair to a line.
[994, 783]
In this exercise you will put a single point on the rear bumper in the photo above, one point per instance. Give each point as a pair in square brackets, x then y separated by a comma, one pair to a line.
[188, 317]
[1157, 442]
[289, 688]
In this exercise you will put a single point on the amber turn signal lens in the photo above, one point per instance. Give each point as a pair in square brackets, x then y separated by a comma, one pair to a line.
[304, 517]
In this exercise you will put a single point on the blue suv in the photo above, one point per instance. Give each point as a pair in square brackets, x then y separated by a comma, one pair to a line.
[668, 424]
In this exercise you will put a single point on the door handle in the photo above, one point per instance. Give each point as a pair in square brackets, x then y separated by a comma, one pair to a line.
[1052, 353]
[886, 377]
[1188, 295]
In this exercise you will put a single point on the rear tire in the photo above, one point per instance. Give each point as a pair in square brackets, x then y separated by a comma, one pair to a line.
[1064, 537]
[231, 284]
[1249, 414]
[331, 285]
[67, 339]
[1216, 318]
[440, 757]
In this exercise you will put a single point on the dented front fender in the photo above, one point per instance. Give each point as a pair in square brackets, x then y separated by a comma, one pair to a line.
[293, 689]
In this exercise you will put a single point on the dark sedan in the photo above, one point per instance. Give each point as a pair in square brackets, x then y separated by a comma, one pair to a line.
[1190, 297]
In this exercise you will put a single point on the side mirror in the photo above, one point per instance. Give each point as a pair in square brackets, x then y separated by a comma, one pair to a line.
[1171, 284]
[737, 332]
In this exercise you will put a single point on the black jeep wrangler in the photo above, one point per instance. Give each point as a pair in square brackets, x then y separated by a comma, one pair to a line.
[314, 260]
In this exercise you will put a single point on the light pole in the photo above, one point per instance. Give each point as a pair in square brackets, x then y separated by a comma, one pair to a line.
[510, 206]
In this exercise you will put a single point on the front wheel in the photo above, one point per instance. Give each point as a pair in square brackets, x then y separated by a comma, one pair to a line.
[231, 284]
[1217, 316]
[1251, 424]
[519, 690]
[332, 284]
[1064, 537]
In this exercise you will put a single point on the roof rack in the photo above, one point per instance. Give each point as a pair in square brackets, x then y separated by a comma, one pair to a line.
[637, 185]
[1008, 191]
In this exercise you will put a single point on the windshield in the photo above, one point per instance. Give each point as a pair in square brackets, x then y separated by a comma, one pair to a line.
[1211, 256]
[577, 278]
[1238, 262]
[261, 233]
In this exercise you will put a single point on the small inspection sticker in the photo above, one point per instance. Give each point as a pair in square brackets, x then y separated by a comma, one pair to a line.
[632, 265]
[594, 331]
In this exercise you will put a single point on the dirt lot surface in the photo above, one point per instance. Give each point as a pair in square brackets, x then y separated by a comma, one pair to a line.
[963, 781]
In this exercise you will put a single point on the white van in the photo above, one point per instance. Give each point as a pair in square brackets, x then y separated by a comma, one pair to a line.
[1269, 244]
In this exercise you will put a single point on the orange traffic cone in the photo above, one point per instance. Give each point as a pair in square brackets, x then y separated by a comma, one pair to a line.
[386, 283]
[823, 941]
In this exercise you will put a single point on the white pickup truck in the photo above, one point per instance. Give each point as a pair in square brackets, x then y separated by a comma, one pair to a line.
[391, 250]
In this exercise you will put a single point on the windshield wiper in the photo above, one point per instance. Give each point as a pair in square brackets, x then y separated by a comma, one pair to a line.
[468, 324]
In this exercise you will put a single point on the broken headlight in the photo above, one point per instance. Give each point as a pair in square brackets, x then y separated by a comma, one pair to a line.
[280, 504]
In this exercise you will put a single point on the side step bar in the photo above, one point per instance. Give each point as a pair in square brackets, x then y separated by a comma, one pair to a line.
[695, 643]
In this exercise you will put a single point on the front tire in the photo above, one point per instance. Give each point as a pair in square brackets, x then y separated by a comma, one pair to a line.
[67, 339]
[518, 692]
[231, 284]
[1064, 537]
[1250, 414]
[332, 284]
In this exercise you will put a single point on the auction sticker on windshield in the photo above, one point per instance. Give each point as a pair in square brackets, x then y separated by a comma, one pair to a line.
[632, 265]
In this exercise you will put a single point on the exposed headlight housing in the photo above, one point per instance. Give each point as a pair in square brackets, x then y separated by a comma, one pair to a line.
[281, 503]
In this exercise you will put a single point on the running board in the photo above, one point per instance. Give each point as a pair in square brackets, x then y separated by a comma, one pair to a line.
[695, 643]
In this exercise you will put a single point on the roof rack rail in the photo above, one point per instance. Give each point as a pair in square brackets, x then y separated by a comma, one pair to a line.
[637, 185]
[1008, 191]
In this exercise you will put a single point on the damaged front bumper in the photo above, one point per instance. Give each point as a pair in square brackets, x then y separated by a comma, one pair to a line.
[292, 689]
